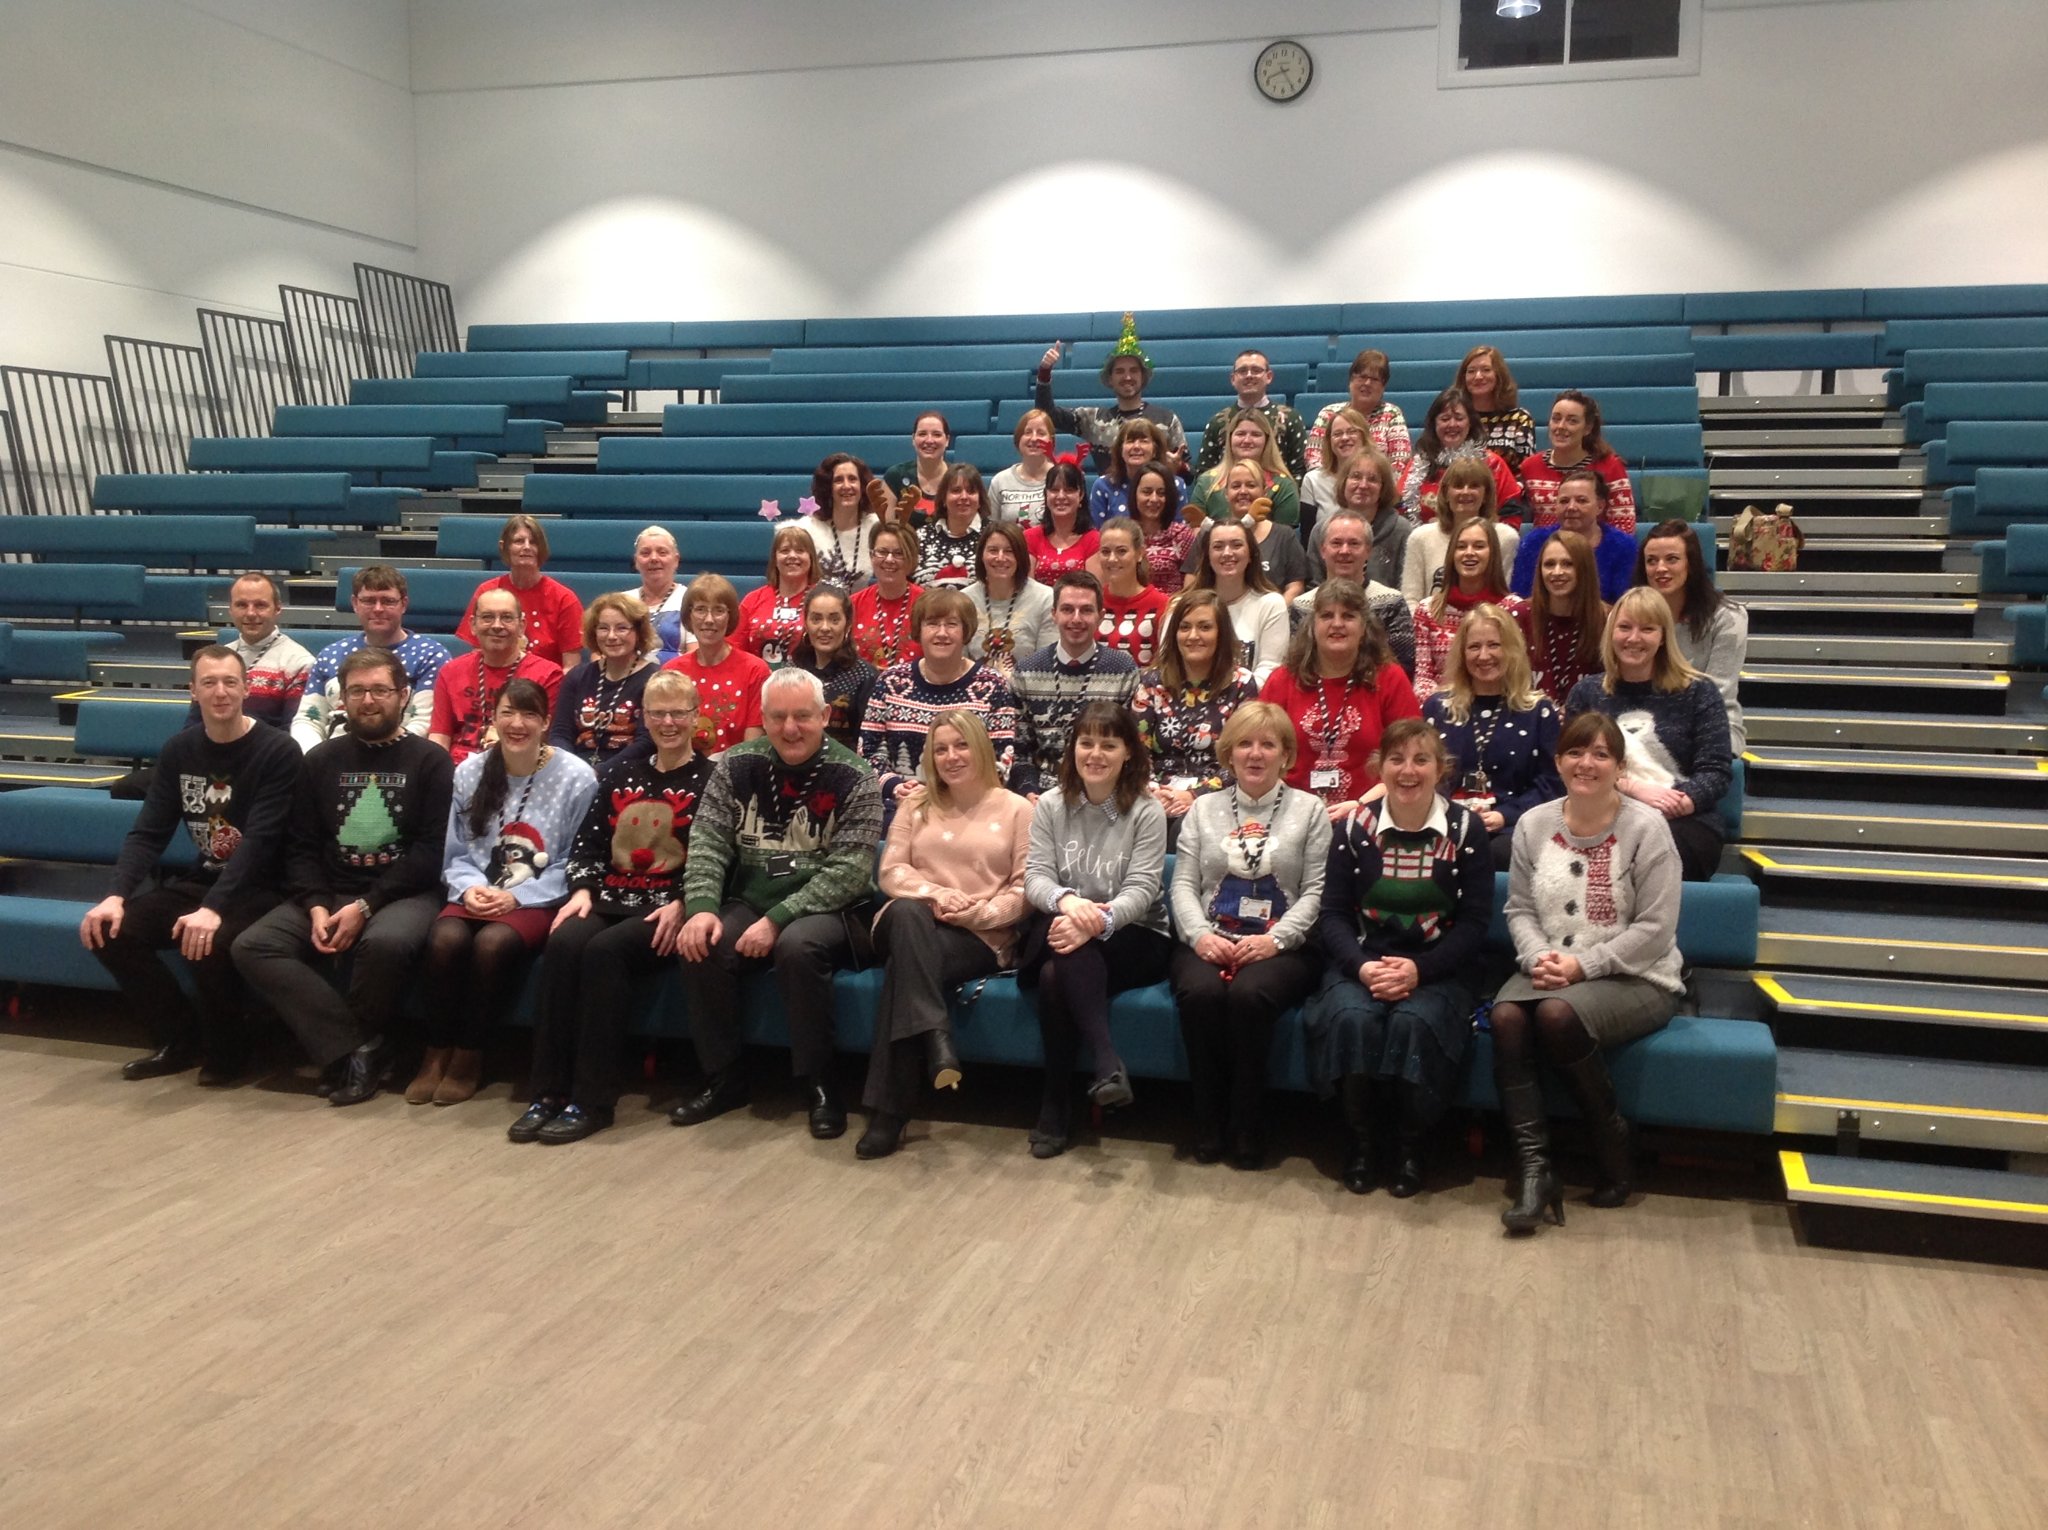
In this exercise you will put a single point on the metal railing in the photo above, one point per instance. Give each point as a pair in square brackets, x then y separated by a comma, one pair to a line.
[251, 362]
[165, 395]
[325, 332]
[402, 316]
[66, 431]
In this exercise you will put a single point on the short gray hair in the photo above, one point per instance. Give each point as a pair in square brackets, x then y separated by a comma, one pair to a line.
[661, 532]
[1343, 513]
[793, 679]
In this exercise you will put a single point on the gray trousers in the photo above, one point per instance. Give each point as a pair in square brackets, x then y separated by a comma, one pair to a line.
[807, 952]
[276, 958]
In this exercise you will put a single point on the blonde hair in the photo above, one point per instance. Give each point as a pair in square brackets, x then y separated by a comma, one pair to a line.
[1517, 684]
[1259, 717]
[1671, 672]
[1268, 461]
[671, 682]
[969, 726]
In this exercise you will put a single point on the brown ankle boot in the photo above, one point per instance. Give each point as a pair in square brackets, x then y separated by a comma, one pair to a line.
[465, 1073]
[432, 1066]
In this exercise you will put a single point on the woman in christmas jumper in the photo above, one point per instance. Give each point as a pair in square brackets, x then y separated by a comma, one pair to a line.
[625, 873]
[851, 503]
[1386, 426]
[1137, 443]
[1566, 615]
[1182, 704]
[826, 650]
[1347, 437]
[1675, 722]
[1097, 859]
[1712, 630]
[1500, 730]
[597, 712]
[772, 617]
[1132, 610]
[881, 611]
[1013, 611]
[1473, 574]
[1224, 562]
[1247, 891]
[1017, 493]
[1448, 438]
[1251, 441]
[916, 483]
[1406, 903]
[946, 542]
[1579, 505]
[1280, 553]
[1340, 687]
[517, 805]
[953, 872]
[1065, 539]
[909, 697]
[1593, 908]
[1466, 493]
[728, 679]
[1169, 539]
[1498, 422]
[1576, 441]
[550, 614]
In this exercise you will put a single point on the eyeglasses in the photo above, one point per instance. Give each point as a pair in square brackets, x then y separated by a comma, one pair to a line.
[369, 693]
[680, 714]
[380, 600]
[1246, 371]
[496, 619]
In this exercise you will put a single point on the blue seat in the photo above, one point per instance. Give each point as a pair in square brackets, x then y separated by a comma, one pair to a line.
[72, 591]
[2029, 635]
[1973, 364]
[967, 417]
[31, 653]
[739, 547]
[1471, 314]
[691, 371]
[2003, 443]
[160, 541]
[962, 329]
[1903, 335]
[632, 336]
[1944, 402]
[1955, 302]
[1241, 326]
[1012, 358]
[292, 498]
[76, 824]
[1814, 305]
[1429, 374]
[734, 334]
[1658, 446]
[794, 455]
[115, 728]
[879, 385]
[606, 368]
[311, 454]
[1696, 1074]
[1518, 345]
[555, 398]
[654, 496]
[1803, 351]
[442, 421]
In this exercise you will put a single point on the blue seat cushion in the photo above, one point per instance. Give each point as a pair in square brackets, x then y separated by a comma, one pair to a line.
[1696, 1073]
[1801, 352]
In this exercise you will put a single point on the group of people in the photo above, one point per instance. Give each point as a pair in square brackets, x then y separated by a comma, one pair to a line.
[959, 727]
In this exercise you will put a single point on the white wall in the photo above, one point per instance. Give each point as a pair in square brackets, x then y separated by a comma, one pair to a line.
[676, 158]
[157, 156]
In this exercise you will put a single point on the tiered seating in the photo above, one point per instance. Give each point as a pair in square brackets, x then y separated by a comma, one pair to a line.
[272, 498]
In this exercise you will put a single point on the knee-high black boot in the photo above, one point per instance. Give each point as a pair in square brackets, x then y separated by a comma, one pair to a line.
[1355, 1091]
[1529, 1130]
[1411, 1132]
[1593, 1088]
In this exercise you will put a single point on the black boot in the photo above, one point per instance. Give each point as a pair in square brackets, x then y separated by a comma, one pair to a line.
[1355, 1091]
[940, 1063]
[1529, 1130]
[1593, 1089]
[1410, 1135]
[883, 1136]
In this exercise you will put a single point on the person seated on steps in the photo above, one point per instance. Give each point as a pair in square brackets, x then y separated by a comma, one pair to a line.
[378, 596]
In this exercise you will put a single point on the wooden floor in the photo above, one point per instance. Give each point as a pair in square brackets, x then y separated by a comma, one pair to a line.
[248, 1309]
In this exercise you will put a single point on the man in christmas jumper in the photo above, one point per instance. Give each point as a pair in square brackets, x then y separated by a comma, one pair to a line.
[1053, 684]
[782, 862]
[276, 665]
[362, 880]
[229, 783]
[1125, 374]
[466, 690]
[1250, 376]
[378, 596]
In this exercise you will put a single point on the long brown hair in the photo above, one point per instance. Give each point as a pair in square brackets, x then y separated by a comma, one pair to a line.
[1222, 663]
[1373, 648]
[1111, 721]
[1495, 575]
[494, 785]
[1587, 615]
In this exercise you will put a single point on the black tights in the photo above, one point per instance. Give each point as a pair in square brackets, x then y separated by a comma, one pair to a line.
[472, 980]
[1521, 1038]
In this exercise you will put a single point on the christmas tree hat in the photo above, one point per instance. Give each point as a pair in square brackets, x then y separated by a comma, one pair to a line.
[1127, 345]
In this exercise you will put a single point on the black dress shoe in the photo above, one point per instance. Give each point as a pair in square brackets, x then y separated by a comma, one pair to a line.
[219, 1072]
[1208, 1150]
[362, 1075]
[883, 1136]
[527, 1127]
[574, 1123]
[722, 1092]
[330, 1078]
[828, 1116]
[1051, 1136]
[940, 1061]
[161, 1063]
[1247, 1152]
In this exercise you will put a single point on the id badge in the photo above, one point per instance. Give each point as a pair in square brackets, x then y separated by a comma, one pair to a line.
[1326, 779]
[782, 865]
[1255, 908]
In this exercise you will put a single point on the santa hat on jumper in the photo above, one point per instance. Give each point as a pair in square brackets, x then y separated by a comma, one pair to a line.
[522, 833]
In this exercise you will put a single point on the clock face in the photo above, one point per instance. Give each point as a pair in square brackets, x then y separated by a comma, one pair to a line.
[1283, 71]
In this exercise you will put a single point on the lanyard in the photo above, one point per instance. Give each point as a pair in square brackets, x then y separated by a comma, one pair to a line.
[1252, 862]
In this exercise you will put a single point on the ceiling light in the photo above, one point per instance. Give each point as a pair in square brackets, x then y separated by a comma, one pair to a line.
[1518, 10]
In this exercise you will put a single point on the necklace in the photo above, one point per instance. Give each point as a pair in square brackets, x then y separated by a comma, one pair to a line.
[517, 811]
[1333, 720]
[1252, 862]
[483, 698]
[885, 632]
[601, 716]
[847, 564]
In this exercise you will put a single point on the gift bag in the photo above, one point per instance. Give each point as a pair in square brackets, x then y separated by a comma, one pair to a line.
[1766, 543]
